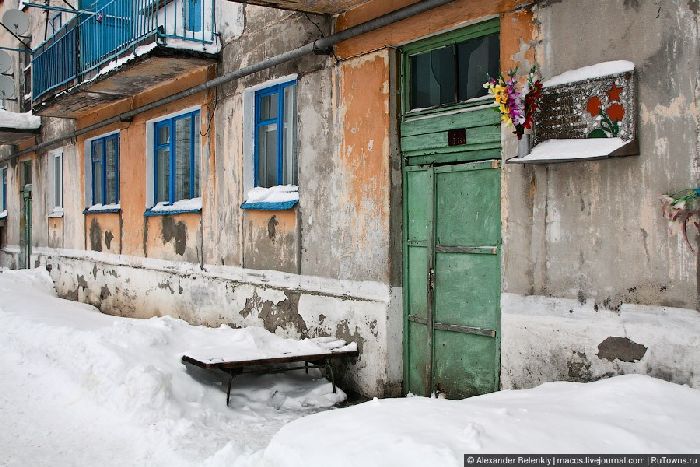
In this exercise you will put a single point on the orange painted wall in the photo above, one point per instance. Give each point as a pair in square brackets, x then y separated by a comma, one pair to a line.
[141, 236]
[444, 18]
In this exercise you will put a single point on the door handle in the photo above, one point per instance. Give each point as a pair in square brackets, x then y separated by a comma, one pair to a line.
[431, 279]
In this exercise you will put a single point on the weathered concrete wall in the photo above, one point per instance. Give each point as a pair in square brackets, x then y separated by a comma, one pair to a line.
[289, 305]
[589, 236]
[553, 339]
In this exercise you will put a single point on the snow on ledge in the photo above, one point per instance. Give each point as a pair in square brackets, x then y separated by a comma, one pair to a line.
[19, 121]
[274, 198]
[561, 150]
[3, 214]
[590, 72]
[114, 207]
[184, 205]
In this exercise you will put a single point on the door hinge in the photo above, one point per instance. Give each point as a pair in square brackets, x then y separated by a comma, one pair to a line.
[431, 279]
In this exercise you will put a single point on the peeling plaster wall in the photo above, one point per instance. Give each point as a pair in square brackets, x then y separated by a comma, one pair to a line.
[589, 236]
[553, 339]
[146, 289]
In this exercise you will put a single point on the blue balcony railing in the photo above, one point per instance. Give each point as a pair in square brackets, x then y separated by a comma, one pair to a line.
[99, 35]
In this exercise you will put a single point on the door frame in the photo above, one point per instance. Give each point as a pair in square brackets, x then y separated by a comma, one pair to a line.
[490, 26]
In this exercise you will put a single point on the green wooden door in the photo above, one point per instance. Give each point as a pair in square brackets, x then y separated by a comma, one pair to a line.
[451, 179]
[452, 278]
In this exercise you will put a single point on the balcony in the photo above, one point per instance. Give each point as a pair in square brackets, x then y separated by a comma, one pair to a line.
[119, 48]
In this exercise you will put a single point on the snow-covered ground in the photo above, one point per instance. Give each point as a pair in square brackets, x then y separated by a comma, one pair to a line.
[81, 388]
[78, 387]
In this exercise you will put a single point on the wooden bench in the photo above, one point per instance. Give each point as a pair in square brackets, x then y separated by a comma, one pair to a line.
[274, 365]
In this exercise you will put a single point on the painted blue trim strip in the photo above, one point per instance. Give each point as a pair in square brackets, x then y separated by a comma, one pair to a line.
[280, 206]
[150, 213]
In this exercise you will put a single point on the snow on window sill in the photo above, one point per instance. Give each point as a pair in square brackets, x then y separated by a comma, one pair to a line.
[185, 206]
[276, 198]
[103, 209]
[57, 212]
[3, 214]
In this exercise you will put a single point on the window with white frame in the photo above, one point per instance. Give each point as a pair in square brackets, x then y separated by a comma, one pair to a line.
[56, 167]
[176, 152]
[3, 189]
[275, 155]
[104, 170]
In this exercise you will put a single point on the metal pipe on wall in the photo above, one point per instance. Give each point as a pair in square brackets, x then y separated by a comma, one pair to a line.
[319, 45]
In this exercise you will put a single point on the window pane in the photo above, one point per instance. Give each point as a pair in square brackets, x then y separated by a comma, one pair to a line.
[183, 145]
[267, 156]
[163, 134]
[57, 182]
[111, 169]
[477, 59]
[163, 174]
[197, 162]
[433, 78]
[97, 195]
[3, 189]
[268, 107]
[289, 137]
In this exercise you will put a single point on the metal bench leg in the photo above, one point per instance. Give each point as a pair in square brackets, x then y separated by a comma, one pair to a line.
[306, 367]
[329, 371]
[228, 391]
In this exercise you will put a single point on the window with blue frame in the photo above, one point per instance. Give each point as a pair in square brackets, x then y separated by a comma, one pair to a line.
[194, 15]
[275, 136]
[176, 158]
[3, 187]
[105, 169]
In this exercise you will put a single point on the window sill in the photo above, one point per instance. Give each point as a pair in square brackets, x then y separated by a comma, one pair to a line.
[264, 206]
[174, 212]
[55, 214]
[103, 210]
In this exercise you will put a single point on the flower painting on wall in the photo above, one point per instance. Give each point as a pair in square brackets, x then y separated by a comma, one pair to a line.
[607, 112]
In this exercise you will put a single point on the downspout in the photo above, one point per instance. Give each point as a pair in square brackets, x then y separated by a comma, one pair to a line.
[318, 46]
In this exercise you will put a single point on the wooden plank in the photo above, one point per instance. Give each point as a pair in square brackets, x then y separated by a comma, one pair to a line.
[271, 361]
[479, 250]
[464, 329]
[438, 140]
[469, 118]
[466, 156]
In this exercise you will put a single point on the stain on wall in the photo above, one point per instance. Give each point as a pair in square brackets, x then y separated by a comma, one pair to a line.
[621, 348]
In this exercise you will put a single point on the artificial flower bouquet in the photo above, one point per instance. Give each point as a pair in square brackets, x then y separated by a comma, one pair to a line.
[516, 106]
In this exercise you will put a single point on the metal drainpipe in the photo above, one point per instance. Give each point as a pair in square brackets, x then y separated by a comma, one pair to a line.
[325, 43]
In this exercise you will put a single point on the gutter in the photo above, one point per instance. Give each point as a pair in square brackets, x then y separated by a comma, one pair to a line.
[321, 45]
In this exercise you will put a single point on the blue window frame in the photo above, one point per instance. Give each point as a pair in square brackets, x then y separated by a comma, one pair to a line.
[176, 158]
[105, 169]
[275, 136]
[194, 15]
[3, 194]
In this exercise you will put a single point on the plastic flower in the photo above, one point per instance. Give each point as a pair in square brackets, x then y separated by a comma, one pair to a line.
[593, 106]
[614, 93]
[616, 112]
